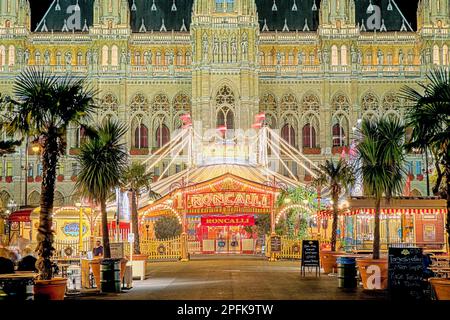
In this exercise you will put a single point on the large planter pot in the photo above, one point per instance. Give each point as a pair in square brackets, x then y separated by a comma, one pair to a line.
[374, 273]
[328, 260]
[95, 265]
[123, 266]
[441, 287]
[53, 289]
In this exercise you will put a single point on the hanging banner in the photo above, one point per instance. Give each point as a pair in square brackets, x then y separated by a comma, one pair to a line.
[214, 221]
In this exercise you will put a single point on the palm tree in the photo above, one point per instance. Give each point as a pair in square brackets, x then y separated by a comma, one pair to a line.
[430, 120]
[338, 177]
[380, 151]
[8, 146]
[135, 178]
[46, 104]
[103, 159]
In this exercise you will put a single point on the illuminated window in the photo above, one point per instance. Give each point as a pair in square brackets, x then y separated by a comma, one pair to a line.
[105, 52]
[114, 56]
[219, 5]
[334, 56]
[58, 58]
[445, 55]
[344, 55]
[2, 55]
[137, 58]
[436, 59]
[79, 59]
[12, 55]
[60, 168]
[30, 169]
[9, 169]
[158, 58]
[37, 58]
[230, 5]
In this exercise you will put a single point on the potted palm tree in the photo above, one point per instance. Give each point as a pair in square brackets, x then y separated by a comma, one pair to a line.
[103, 159]
[338, 177]
[430, 123]
[381, 155]
[45, 105]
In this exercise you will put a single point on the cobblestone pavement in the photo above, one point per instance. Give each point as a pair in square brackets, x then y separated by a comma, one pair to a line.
[228, 278]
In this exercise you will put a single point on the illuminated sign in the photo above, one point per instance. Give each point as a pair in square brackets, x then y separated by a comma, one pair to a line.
[71, 229]
[228, 221]
[228, 199]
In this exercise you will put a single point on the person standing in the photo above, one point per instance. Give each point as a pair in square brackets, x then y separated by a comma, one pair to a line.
[98, 250]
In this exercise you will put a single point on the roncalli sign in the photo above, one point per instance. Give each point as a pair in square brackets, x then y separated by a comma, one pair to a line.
[310, 253]
[405, 273]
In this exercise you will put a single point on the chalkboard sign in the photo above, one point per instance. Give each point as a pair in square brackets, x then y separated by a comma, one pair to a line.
[405, 273]
[275, 244]
[310, 253]
[116, 250]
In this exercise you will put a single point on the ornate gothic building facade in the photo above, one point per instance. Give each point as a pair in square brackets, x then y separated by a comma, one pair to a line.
[314, 67]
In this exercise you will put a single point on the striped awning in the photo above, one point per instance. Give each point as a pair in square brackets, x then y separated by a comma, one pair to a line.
[387, 211]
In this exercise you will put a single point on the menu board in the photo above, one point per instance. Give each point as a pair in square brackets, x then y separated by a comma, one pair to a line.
[275, 244]
[116, 250]
[310, 253]
[405, 273]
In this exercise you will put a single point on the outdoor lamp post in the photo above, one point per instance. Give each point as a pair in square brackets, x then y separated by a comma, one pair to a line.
[80, 228]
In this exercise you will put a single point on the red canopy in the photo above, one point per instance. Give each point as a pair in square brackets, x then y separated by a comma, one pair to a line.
[21, 215]
[122, 225]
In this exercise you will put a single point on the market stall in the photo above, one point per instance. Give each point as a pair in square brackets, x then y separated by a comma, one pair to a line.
[416, 221]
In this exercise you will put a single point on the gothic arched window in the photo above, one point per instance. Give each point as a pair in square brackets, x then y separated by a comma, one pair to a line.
[162, 135]
[338, 136]
[105, 55]
[80, 136]
[334, 56]
[225, 117]
[141, 136]
[12, 55]
[2, 55]
[114, 55]
[344, 55]
[436, 59]
[309, 136]
[288, 134]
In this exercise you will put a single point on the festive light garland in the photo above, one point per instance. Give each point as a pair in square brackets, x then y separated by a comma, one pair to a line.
[161, 206]
[291, 206]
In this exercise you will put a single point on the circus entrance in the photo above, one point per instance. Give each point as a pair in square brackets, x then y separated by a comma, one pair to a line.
[217, 215]
[227, 234]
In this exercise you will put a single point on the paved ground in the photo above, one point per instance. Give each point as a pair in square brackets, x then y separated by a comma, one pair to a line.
[228, 278]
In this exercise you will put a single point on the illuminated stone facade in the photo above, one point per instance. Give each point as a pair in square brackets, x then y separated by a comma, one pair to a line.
[314, 67]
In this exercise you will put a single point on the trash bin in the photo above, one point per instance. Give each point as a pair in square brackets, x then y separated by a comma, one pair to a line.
[346, 272]
[110, 275]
